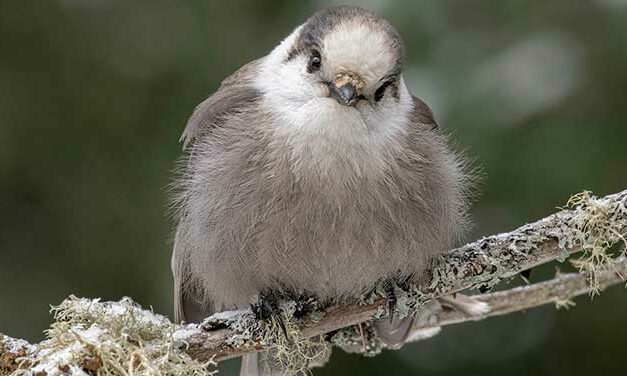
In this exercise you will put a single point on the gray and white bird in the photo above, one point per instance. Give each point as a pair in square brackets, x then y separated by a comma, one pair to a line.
[314, 169]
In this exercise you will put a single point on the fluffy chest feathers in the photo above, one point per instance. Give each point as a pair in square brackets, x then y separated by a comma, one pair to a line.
[334, 144]
[317, 210]
[329, 141]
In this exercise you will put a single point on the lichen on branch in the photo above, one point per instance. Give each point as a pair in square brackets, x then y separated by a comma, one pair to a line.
[111, 338]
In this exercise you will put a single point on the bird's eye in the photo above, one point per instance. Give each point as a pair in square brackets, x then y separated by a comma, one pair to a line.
[315, 62]
[378, 95]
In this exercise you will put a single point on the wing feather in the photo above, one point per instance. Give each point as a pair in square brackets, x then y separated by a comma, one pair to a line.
[422, 114]
[188, 306]
[235, 92]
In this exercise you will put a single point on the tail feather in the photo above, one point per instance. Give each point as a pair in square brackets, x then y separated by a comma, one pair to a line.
[468, 305]
[399, 331]
[394, 333]
[259, 364]
[264, 363]
[250, 365]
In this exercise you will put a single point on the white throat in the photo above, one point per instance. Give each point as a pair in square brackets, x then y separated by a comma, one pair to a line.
[325, 139]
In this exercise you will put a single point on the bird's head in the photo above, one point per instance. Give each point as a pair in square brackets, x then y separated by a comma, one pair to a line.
[338, 75]
[343, 59]
[351, 54]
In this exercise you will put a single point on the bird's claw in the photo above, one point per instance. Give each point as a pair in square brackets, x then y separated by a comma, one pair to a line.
[391, 301]
[267, 309]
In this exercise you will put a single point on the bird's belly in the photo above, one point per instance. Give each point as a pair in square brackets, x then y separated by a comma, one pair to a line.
[334, 255]
[333, 241]
[338, 276]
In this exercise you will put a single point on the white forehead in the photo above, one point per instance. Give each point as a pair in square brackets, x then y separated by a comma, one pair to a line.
[359, 47]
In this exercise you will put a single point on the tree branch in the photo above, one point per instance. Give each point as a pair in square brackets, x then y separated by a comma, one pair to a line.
[590, 225]
[558, 290]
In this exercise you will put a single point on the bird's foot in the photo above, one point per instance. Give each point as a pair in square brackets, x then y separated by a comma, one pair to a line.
[391, 301]
[399, 298]
[307, 306]
[267, 309]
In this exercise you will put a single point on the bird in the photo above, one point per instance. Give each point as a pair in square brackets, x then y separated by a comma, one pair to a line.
[314, 170]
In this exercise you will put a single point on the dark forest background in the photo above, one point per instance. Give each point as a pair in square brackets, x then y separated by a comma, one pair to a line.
[95, 93]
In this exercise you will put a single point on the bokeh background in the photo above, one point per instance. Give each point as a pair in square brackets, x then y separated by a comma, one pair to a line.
[95, 93]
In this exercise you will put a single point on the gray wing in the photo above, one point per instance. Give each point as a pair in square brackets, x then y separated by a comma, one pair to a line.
[188, 304]
[235, 92]
[394, 333]
[422, 114]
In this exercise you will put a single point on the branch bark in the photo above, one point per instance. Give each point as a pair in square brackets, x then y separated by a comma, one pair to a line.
[558, 290]
[590, 224]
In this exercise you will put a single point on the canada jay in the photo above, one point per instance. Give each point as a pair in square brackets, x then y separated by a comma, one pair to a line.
[314, 170]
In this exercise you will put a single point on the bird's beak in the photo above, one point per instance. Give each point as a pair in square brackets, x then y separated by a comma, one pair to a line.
[346, 88]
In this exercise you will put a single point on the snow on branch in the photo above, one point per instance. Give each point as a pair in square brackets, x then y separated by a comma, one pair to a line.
[120, 338]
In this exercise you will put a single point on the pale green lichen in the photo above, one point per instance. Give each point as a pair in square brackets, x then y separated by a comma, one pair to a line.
[408, 299]
[360, 339]
[13, 353]
[287, 349]
[596, 228]
[246, 329]
[565, 303]
[290, 351]
[110, 339]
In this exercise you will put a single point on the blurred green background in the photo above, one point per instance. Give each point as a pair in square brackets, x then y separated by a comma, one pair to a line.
[95, 93]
